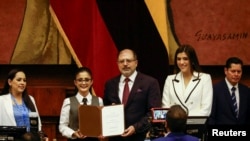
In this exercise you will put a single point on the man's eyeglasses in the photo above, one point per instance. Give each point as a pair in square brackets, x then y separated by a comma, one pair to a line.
[126, 60]
[83, 80]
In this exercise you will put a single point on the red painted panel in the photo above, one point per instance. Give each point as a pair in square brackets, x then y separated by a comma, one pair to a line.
[217, 29]
[11, 18]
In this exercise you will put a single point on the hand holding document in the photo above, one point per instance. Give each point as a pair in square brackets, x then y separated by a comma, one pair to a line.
[95, 121]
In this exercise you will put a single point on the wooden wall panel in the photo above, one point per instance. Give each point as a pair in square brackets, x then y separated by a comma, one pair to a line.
[48, 99]
[49, 130]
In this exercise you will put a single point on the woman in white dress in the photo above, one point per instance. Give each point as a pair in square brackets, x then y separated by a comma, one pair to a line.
[188, 87]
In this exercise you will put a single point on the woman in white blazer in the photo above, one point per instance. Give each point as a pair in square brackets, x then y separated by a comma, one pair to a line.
[188, 87]
[16, 105]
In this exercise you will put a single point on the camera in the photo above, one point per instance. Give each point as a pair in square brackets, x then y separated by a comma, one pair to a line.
[159, 114]
[158, 122]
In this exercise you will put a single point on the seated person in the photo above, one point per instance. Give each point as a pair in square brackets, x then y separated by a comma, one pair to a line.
[31, 136]
[176, 121]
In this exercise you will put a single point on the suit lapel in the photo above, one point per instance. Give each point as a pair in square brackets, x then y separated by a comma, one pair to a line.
[8, 105]
[116, 89]
[179, 87]
[192, 85]
[135, 88]
[243, 100]
[228, 97]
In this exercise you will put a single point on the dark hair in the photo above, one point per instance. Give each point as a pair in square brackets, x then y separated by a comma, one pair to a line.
[84, 69]
[176, 118]
[134, 53]
[233, 60]
[190, 51]
[31, 136]
[6, 89]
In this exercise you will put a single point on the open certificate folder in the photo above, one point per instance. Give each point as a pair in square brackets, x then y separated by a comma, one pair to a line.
[103, 121]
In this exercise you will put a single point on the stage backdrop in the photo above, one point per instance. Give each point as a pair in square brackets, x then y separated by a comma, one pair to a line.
[89, 31]
[217, 29]
[93, 31]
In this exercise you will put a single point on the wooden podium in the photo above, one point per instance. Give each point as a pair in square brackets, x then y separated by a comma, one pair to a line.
[101, 121]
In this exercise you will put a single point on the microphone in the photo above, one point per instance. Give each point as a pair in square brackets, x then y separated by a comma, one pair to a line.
[33, 121]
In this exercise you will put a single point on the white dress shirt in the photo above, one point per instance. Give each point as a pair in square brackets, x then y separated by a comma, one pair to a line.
[122, 83]
[64, 117]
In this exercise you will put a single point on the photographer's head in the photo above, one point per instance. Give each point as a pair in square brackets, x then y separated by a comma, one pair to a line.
[176, 119]
[31, 136]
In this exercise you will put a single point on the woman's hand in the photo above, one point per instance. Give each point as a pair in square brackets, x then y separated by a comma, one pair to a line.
[78, 134]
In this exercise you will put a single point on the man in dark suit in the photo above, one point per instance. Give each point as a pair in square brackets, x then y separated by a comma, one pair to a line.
[223, 111]
[144, 94]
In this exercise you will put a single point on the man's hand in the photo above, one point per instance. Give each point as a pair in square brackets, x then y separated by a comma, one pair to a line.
[129, 131]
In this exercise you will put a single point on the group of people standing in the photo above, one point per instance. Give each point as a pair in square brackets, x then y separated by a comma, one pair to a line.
[194, 91]
[188, 89]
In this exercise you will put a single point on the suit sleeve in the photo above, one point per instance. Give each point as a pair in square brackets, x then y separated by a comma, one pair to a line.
[111, 93]
[39, 119]
[211, 119]
[166, 94]
[153, 100]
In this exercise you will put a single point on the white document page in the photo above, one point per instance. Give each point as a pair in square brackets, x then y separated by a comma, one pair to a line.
[113, 120]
